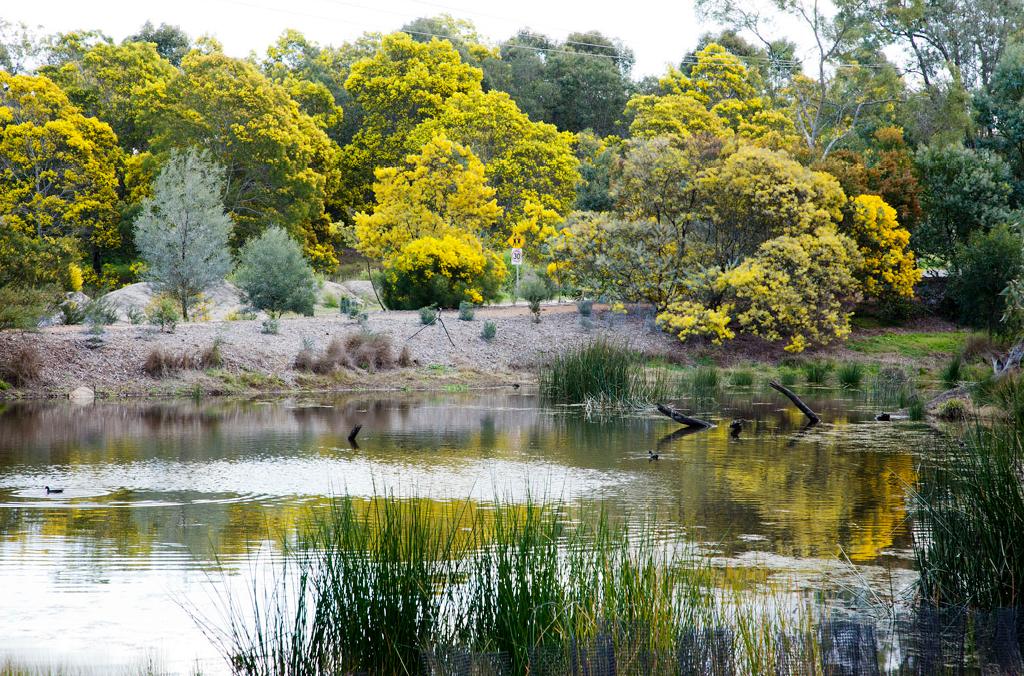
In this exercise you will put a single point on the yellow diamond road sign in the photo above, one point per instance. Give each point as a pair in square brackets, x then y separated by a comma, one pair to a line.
[517, 241]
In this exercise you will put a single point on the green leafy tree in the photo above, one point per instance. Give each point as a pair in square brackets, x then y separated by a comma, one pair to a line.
[182, 231]
[962, 190]
[274, 276]
[281, 168]
[983, 267]
[172, 43]
[581, 83]
[111, 82]
[635, 261]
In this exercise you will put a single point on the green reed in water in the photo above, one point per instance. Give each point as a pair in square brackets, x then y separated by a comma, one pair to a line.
[390, 586]
[850, 375]
[971, 553]
[604, 372]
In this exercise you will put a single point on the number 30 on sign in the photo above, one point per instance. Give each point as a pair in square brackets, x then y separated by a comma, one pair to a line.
[517, 256]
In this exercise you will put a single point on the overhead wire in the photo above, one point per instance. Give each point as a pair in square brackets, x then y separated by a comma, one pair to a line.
[775, 63]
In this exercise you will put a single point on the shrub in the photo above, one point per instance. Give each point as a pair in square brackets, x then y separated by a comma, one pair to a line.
[21, 308]
[585, 307]
[952, 372]
[370, 351]
[22, 367]
[99, 311]
[349, 306]
[364, 350]
[816, 372]
[952, 409]
[741, 378]
[466, 311]
[330, 300]
[428, 315]
[405, 357]
[135, 315]
[442, 272]
[72, 313]
[979, 345]
[270, 326]
[489, 330]
[534, 290]
[211, 356]
[163, 312]
[274, 276]
[850, 375]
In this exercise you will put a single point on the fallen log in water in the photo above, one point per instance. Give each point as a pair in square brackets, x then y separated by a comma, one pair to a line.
[811, 415]
[695, 423]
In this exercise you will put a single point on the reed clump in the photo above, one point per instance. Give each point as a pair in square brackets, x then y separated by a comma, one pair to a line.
[604, 372]
[390, 586]
[970, 518]
[850, 375]
[816, 372]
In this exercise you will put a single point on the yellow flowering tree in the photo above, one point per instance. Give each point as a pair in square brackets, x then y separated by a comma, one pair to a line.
[58, 172]
[444, 271]
[527, 163]
[439, 198]
[888, 268]
[440, 190]
[756, 194]
[404, 83]
[720, 97]
[794, 288]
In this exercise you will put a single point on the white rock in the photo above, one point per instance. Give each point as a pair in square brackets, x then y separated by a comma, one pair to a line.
[220, 300]
[82, 395]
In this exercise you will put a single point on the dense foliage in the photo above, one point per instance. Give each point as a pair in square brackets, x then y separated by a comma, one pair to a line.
[430, 151]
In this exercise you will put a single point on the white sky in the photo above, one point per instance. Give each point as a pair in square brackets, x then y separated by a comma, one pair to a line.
[658, 32]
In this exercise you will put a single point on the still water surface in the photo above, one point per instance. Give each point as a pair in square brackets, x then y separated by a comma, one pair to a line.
[169, 506]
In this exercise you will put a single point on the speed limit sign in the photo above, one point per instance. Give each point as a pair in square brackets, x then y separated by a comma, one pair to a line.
[517, 256]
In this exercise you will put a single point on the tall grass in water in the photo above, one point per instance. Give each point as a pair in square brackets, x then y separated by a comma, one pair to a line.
[741, 378]
[601, 372]
[386, 587]
[816, 372]
[969, 549]
[850, 375]
[952, 372]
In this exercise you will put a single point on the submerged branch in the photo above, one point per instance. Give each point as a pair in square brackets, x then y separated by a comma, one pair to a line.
[811, 415]
[695, 423]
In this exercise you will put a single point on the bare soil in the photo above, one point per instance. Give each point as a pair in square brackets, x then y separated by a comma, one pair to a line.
[447, 354]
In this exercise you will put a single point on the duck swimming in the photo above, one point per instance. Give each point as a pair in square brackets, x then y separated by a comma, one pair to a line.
[53, 490]
[651, 455]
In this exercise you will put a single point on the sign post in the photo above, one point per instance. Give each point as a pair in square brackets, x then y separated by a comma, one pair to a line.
[517, 241]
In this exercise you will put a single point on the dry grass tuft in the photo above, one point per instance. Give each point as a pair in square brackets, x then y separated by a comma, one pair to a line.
[21, 367]
[365, 350]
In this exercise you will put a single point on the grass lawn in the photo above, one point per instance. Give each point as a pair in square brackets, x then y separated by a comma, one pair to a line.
[912, 345]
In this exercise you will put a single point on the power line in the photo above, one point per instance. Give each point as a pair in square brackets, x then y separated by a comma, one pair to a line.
[781, 64]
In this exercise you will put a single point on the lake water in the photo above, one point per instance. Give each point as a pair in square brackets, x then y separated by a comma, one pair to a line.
[169, 506]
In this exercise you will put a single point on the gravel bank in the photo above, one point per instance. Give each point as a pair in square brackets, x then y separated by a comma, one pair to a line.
[115, 368]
